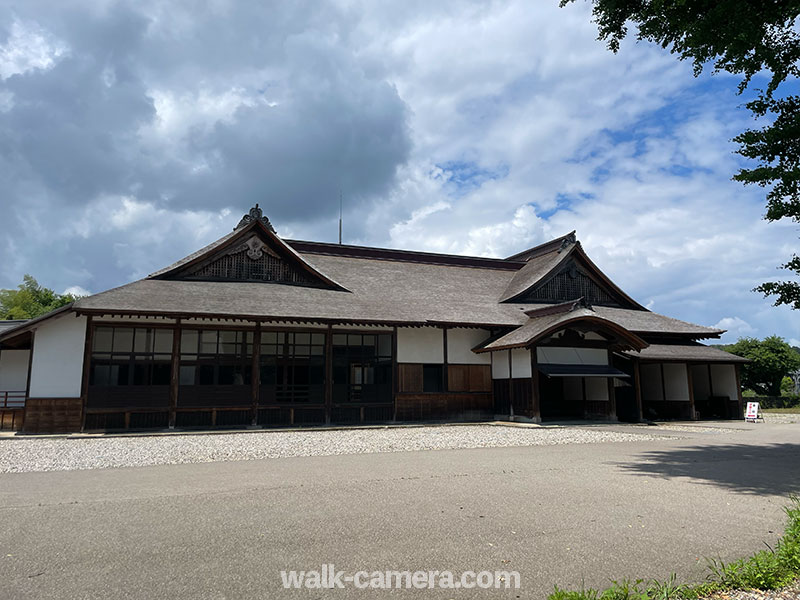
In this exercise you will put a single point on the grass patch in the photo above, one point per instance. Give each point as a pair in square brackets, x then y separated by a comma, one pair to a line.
[769, 569]
[783, 411]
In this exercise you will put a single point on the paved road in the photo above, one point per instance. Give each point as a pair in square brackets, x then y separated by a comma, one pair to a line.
[559, 514]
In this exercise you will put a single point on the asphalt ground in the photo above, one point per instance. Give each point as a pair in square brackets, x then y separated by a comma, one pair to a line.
[568, 515]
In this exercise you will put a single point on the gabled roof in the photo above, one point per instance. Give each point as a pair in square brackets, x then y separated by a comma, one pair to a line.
[11, 324]
[382, 291]
[686, 352]
[546, 260]
[544, 321]
[254, 233]
[390, 287]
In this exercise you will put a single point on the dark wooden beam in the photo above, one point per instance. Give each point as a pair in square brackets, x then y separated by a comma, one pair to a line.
[328, 374]
[510, 386]
[87, 362]
[637, 389]
[28, 383]
[444, 359]
[395, 375]
[255, 376]
[710, 382]
[536, 409]
[585, 401]
[690, 383]
[175, 371]
[612, 391]
[737, 368]
[289, 319]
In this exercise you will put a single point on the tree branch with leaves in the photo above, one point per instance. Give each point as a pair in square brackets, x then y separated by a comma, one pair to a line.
[31, 300]
[741, 37]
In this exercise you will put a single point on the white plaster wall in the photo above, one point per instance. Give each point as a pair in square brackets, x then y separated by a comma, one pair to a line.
[572, 356]
[420, 345]
[500, 364]
[573, 388]
[651, 382]
[460, 343]
[676, 381]
[57, 367]
[520, 363]
[700, 384]
[723, 381]
[14, 370]
[596, 388]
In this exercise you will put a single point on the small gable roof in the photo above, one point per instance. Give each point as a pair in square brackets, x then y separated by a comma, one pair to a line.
[544, 261]
[253, 224]
[547, 320]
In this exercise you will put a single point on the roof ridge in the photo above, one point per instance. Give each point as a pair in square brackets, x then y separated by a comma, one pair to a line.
[376, 253]
[556, 244]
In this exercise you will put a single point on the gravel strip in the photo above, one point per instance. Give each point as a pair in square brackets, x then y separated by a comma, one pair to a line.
[18, 455]
[686, 428]
[781, 418]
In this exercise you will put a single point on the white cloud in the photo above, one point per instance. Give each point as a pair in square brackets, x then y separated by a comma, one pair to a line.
[28, 47]
[76, 290]
[735, 327]
[141, 130]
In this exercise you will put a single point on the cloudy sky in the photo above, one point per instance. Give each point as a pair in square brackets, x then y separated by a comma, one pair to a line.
[132, 133]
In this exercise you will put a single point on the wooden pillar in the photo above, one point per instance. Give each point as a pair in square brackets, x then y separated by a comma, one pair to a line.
[637, 389]
[536, 410]
[444, 360]
[510, 387]
[87, 362]
[710, 382]
[736, 368]
[255, 375]
[175, 373]
[690, 383]
[395, 375]
[583, 396]
[612, 391]
[25, 420]
[328, 374]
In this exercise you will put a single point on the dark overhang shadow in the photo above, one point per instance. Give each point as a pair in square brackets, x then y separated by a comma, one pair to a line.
[768, 469]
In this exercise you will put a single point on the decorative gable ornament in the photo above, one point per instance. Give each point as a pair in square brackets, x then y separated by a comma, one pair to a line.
[255, 248]
[569, 240]
[255, 214]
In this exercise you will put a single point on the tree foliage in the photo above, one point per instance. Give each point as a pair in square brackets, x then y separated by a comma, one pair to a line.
[746, 38]
[771, 359]
[30, 300]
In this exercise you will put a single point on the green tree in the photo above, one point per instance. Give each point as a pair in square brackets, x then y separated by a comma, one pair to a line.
[742, 37]
[787, 386]
[770, 361]
[30, 300]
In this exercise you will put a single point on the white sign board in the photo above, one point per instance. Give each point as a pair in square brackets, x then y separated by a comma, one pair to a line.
[752, 412]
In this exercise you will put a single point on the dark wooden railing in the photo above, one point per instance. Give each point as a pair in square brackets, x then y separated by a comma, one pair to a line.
[12, 408]
[12, 399]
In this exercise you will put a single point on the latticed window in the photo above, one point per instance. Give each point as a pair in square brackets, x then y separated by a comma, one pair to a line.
[241, 267]
[292, 367]
[569, 284]
[362, 367]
